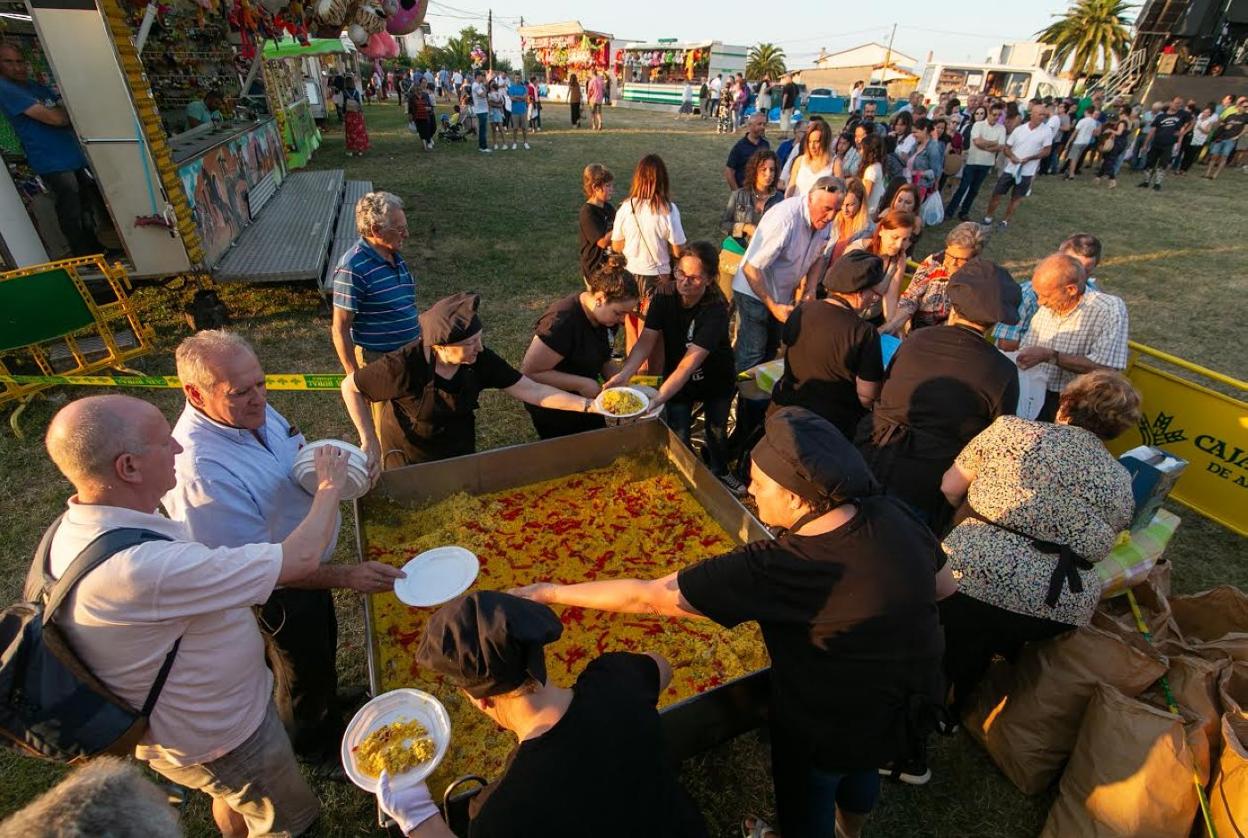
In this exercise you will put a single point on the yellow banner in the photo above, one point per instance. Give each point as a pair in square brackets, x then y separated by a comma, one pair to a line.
[1204, 427]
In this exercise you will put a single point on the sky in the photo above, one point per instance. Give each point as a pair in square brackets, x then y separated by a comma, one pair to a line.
[800, 27]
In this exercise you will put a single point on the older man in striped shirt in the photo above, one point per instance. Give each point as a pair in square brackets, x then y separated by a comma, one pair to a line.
[374, 292]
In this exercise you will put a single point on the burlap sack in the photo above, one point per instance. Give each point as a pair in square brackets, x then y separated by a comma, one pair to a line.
[1194, 684]
[1233, 690]
[1153, 605]
[1214, 621]
[1228, 794]
[1027, 717]
[1131, 773]
[1159, 576]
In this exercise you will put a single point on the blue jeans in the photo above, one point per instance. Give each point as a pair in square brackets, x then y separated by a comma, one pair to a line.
[483, 127]
[679, 417]
[758, 333]
[972, 178]
[807, 797]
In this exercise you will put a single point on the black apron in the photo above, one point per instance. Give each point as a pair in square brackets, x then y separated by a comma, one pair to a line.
[443, 424]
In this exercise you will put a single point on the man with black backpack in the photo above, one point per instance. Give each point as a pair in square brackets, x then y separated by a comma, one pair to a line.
[165, 623]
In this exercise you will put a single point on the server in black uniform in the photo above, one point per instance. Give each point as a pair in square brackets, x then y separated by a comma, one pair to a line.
[833, 364]
[571, 346]
[690, 319]
[846, 599]
[434, 383]
[944, 386]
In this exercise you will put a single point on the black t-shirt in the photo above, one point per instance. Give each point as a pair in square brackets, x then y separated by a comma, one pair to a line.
[1231, 126]
[1166, 127]
[432, 417]
[585, 347]
[788, 95]
[829, 347]
[595, 222]
[704, 325]
[944, 385]
[602, 770]
[741, 153]
[850, 622]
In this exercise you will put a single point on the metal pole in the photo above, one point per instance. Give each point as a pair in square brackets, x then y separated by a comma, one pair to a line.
[524, 70]
[489, 34]
[888, 57]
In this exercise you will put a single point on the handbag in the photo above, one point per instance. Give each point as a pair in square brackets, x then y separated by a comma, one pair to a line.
[1107, 144]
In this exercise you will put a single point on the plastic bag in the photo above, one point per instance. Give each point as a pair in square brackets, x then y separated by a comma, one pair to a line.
[933, 211]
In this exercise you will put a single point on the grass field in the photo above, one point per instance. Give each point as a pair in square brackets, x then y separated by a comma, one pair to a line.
[505, 225]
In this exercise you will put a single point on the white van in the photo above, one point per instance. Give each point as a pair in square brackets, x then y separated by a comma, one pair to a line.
[1003, 81]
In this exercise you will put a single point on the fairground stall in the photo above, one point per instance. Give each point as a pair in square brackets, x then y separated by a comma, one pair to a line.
[194, 176]
[567, 49]
[655, 73]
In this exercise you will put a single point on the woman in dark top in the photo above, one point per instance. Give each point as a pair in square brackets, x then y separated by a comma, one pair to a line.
[597, 217]
[747, 204]
[846, 600]
[574, 100]
[944, 385]
[421, 114]
[571, 347]
[692, 321]
[434, 383]
[833, 365]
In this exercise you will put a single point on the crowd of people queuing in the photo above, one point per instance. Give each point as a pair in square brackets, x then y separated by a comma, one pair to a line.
[922, 525]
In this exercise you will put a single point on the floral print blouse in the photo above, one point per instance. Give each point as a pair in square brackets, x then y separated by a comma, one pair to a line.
[1053, 483]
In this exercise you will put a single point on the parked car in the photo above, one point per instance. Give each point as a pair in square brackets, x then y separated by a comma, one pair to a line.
[877, 94]
[824, 100]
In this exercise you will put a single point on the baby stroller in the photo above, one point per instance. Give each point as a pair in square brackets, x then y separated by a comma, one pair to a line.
[451, 130]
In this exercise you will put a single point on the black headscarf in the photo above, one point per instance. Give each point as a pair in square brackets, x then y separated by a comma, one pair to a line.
[807, 455]
[450, 320]
[984, 293]
[489, 642]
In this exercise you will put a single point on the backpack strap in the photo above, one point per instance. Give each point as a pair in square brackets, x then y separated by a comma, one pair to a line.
[103, 547]
[37, 578]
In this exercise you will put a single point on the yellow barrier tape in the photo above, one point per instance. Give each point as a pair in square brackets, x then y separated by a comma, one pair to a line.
[283, 381]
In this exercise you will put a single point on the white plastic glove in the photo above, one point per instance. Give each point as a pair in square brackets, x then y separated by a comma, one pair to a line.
[410, 806]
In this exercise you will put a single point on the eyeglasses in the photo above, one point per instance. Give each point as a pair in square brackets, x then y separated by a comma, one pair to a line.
[679, 274]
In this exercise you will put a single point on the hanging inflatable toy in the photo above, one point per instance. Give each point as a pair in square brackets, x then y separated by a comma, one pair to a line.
[404, 16]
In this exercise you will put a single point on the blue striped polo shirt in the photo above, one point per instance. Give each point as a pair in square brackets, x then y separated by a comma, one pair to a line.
[382, 296]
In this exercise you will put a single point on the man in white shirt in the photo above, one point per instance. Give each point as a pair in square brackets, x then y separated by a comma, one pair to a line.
[1074, 331]
[234, 487]
[1024, 149]
[779, 260]
[214, 726]
[716, 86]
[1054, 123]
[481, 110]
[855, 96]
[1086, 131]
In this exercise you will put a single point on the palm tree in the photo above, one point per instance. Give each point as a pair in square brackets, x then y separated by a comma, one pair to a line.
[1090, 35]
[765, 61]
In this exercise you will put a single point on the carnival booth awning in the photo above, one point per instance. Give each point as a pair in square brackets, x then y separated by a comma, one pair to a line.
[566, 48]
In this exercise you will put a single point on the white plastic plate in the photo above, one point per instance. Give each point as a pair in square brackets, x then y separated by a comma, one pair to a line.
[387, 708]
[304, 471]
[437, 575]
[645, 403]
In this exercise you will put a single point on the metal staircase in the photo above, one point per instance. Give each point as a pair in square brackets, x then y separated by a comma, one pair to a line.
[1126, 76]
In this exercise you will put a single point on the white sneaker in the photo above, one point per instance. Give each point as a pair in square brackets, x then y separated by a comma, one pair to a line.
[513, 146]
[496, 146]
[527, 147]
[485, 151]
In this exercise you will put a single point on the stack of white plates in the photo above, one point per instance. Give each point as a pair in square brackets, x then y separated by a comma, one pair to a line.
[304, 470]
